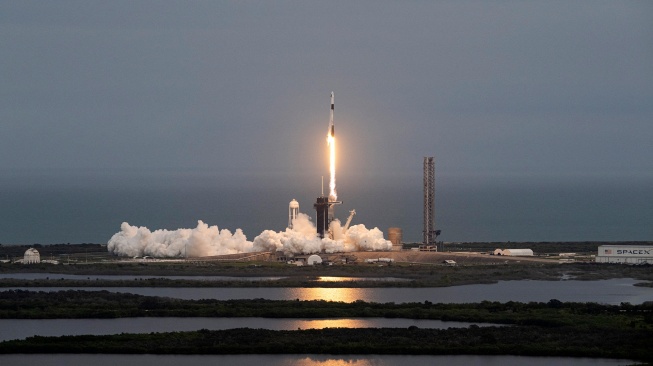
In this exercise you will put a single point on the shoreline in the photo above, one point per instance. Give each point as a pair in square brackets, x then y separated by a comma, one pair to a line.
[308, 276]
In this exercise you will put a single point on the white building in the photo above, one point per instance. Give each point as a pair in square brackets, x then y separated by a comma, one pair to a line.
[313, 260]
[518, 252]
[514, 252]
[32, 256]
[631, 254]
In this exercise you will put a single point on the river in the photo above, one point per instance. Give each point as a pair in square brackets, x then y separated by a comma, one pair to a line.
[613, 291]
[56, 276]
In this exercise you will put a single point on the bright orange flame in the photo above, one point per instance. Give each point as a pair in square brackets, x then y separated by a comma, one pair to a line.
[331, 141]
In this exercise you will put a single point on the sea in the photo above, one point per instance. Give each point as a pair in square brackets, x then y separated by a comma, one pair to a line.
[50, 210]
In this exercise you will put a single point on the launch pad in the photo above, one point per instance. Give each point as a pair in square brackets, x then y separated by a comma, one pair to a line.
[324, 208]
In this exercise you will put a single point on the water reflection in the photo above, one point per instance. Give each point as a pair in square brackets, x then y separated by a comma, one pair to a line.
[354, 279]
[376, 323]
[56, 276]
[315, 361]
[331, 294]
[612, 291]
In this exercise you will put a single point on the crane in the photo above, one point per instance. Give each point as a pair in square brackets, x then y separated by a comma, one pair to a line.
[351, 216]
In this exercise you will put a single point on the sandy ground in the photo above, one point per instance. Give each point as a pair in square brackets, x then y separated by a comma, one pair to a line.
[461, 258]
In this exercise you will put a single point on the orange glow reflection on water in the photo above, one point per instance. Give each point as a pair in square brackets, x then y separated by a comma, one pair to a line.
[331, 323]
[333, 294]
[336, 279]
[333, 362]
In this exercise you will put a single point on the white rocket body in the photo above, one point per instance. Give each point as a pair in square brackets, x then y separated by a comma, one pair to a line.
[331, 130]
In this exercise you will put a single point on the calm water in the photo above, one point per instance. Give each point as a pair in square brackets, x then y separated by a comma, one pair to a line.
[612, 291]
[302, 360]
[347, 279]
[56, 276]
[475, 209]
[607, 291]
[22, 328]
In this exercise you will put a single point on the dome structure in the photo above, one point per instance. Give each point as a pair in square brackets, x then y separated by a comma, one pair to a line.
[313, 260]
[32, 256]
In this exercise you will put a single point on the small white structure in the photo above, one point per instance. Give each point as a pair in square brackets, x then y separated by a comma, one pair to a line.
[567, 254]
[32, 256]
[379, 260]
[518, 252]
[313, 260]
[514, 252]
[630, 254]
[293, 212]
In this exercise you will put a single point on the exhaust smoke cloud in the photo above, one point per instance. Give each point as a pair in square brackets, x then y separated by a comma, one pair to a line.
[205, 240]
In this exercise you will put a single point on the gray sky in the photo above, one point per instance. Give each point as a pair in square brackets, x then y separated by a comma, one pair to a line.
[122, 90]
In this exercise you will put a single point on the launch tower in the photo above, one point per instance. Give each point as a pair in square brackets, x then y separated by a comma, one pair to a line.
[322, 215]
[430, 234]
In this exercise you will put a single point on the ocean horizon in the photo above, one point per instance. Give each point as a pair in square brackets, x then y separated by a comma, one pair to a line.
[466, 209]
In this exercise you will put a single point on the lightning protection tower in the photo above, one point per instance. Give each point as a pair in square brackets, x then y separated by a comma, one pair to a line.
[429, 198]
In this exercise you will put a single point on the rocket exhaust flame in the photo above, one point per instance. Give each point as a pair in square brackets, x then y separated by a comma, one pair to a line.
[331, 142]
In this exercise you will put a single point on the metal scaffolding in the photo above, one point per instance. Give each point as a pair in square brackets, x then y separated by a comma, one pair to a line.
[429, 198]
[322, 215]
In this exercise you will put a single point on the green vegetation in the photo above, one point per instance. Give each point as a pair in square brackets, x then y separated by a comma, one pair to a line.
[19, 304]
[46, 251]
[537, 329]
[527, 341]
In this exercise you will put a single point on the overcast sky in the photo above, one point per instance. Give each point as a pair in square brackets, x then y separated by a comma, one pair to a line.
[125, 89]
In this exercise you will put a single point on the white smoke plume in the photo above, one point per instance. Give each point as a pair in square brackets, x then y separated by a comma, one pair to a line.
[207, 240]
[204, 240]
[303, 239]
